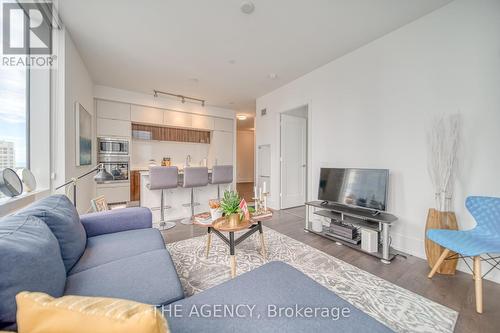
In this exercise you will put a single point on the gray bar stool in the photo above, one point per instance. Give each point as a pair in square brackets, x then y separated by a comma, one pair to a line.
[221, 174]
[163, 178]
[194, 177]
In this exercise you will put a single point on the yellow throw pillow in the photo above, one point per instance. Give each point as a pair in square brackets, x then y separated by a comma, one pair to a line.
[41, 313]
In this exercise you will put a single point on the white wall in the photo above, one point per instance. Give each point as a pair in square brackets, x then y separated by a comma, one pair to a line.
[78, 88]
[245, 151]
[372, 108]
[142, 151]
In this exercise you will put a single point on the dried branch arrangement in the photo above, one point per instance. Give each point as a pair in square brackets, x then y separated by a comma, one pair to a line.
[443, 142]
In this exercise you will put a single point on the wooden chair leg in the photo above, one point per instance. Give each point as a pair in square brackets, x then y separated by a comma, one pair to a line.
[478, 281]
[209, 242]
[233, 265]
[263, 246]
[438, 263]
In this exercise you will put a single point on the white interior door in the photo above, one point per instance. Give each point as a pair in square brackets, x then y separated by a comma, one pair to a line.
[293, 160]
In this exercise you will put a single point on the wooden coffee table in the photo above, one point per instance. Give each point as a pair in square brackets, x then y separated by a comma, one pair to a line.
[221, 225]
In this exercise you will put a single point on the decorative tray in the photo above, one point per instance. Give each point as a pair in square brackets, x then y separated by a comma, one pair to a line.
[222, 224]
[262, 215]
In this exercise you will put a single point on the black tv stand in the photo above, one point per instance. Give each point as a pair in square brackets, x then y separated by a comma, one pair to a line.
[374, 220]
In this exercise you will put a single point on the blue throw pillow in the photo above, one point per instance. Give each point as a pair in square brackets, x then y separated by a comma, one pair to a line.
[30, 260]
[62, 218]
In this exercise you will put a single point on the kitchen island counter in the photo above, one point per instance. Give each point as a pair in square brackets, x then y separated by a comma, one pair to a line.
[176, 198]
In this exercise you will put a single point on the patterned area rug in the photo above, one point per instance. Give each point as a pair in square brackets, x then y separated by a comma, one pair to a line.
[397, 308]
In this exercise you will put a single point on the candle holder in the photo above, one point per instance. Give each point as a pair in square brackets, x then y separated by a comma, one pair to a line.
[265, 195]
[256, 202]
[261, 203]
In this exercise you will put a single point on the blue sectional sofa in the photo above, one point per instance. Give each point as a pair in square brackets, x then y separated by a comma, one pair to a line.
[47, 247]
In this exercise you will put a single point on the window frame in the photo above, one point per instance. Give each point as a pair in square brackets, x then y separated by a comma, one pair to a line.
[27, 43]
[28, 97]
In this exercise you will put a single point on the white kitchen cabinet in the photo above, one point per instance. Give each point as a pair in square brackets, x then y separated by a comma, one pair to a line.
[146, 115]
[221, 124]
[112, 127]
[202, 122]
[113, 110]
[114, 193]
[221, 148]
[177, 119]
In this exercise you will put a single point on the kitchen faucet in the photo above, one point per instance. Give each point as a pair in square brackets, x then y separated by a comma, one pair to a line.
[188, 160]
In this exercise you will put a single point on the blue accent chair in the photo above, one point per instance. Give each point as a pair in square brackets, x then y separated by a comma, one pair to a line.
[482, 240]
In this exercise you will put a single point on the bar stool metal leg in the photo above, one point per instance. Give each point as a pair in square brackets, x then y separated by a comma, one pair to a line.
[224, 190]
[164, 225]
[189, 220]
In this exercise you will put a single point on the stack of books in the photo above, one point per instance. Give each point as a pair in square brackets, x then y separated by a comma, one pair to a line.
[203, 218]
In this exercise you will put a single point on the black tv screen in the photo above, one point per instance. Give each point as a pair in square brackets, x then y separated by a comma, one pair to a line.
[365, 188]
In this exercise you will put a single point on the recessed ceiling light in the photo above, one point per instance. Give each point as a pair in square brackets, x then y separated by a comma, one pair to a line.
[241, 117]
[247, 7]
[272, 76]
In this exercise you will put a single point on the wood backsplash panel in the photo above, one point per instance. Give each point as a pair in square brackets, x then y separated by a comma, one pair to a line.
[161, 133]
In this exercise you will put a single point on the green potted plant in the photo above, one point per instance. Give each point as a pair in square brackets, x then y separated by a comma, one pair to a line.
[230, 205]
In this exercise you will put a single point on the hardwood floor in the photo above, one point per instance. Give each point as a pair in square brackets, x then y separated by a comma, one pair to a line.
[455, 292]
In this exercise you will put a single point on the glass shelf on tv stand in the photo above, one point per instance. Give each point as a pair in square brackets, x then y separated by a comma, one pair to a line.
[363, 218]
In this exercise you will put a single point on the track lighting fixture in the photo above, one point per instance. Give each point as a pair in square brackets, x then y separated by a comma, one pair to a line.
[182, 97]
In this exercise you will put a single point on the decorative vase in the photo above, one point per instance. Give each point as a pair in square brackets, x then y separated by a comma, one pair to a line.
[234, 220]
[440, 220]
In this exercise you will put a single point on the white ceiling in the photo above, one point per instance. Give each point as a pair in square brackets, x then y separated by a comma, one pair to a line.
[211, 50]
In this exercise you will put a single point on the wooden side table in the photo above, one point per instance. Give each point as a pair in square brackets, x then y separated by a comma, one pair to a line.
[222, 225]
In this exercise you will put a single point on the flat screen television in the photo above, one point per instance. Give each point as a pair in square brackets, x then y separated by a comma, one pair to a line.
[365, 188]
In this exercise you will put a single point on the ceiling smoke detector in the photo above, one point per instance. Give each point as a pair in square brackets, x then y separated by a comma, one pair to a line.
[247, 7]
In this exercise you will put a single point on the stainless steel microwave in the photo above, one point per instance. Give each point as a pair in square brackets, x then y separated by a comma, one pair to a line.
[110, 146]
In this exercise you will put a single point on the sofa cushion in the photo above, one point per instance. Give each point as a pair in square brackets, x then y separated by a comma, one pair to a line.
[269, 288]
[62, 218]
[40, 313]
[30, 260]
[147, 278]
[116, 220]
[110, 247]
